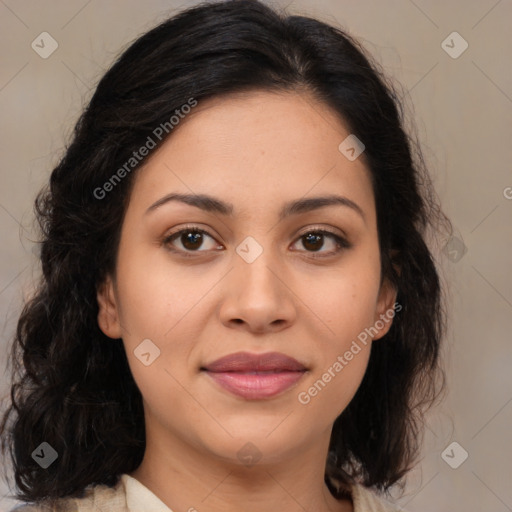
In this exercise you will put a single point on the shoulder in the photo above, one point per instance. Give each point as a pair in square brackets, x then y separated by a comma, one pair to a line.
[367, 500]
[364, 499]
[97, 497]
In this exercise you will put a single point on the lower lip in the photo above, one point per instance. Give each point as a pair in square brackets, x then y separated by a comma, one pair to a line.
[255, 386]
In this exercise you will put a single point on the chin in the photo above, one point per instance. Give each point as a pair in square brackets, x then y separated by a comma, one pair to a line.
[267, 443]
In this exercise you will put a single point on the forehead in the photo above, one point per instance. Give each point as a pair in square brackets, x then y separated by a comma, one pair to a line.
[255, 149]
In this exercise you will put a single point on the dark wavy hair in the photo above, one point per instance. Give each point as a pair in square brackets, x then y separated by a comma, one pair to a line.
[71, 384]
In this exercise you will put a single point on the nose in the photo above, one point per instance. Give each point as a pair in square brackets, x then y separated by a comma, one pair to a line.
[258, 297]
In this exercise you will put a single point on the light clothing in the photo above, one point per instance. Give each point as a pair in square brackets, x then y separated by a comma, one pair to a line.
[129, 495]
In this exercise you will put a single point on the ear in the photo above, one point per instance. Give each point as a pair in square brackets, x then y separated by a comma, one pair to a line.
[108, 314]
[385, 310]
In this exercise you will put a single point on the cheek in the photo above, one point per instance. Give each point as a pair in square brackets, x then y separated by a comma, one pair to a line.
[154, 313]
[347, 308]
[156, 298]
[334, 383]
[346, 303]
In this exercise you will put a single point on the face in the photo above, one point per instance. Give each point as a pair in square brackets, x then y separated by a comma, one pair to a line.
[260, 268]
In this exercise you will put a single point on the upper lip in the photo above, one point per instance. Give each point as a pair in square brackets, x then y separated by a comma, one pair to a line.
[247, 362]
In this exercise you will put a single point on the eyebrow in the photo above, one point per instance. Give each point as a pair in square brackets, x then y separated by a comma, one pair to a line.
[211, 204]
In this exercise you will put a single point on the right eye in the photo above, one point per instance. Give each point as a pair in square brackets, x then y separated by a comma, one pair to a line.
[191, 239]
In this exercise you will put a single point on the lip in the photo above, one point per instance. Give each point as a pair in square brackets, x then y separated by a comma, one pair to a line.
[255, 376]
[247, 362]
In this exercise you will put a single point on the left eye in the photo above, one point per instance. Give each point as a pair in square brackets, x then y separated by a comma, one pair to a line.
[191, 240]
[315, 240]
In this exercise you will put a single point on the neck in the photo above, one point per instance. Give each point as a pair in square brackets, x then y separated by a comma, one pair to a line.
[186, 479]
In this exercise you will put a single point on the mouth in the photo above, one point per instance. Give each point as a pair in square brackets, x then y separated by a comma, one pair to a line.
[255, 376]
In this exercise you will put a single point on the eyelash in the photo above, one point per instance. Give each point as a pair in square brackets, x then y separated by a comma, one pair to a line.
[341, 243]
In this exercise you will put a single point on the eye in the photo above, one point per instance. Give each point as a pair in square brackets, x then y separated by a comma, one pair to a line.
[191, 239]
[314, 240]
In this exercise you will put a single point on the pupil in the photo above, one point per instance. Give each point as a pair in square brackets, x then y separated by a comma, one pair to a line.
[314, 239]
[193, 237]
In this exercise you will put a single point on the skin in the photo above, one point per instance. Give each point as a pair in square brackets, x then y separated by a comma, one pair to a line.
[256, 150]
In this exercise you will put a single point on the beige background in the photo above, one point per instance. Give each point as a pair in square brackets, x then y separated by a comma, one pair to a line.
[463, 110]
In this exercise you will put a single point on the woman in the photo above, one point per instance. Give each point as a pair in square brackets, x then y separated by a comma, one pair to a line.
[238, 309]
